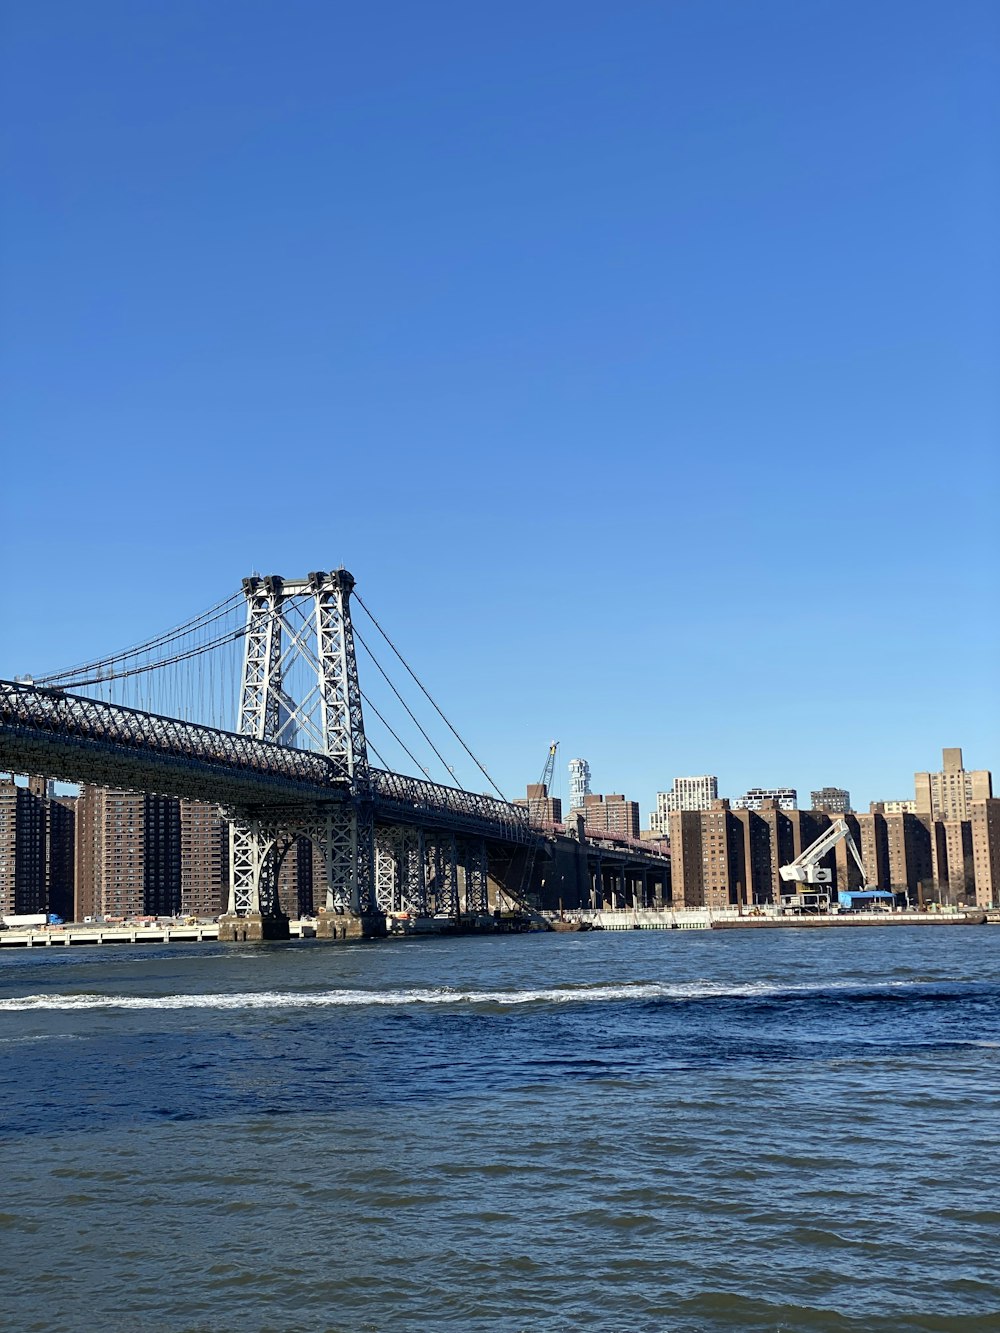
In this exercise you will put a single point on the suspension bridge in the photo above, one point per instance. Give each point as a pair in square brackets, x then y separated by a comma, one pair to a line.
[256, 706]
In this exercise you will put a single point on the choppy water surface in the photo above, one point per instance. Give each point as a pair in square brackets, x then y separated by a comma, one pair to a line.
[636, 1131]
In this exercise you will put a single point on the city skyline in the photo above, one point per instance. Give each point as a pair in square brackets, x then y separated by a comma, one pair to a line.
[903, 791]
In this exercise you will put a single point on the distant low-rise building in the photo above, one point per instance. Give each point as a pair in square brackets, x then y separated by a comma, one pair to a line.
[786, 798]
[834, 800]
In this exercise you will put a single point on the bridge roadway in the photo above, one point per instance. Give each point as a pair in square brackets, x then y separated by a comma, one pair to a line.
[77, 739]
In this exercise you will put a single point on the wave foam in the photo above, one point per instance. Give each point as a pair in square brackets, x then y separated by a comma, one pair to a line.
[442, 995]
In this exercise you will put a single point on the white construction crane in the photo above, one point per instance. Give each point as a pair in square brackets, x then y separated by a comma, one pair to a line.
[805, 869]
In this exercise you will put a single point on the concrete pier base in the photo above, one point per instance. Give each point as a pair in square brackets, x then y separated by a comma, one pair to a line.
[253, 927]
[346, 926]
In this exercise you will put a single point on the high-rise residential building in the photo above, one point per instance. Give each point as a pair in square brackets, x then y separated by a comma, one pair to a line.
[579, 783]
[301, 873]
[686, 870]
[143, 855]
[128, 854]
[204, 838]
[727, 856]
[834, 800]
[950, 793]
[36, 848]
[723, 857]
[60, 849]
[786, 798]
[984, 823]
[22, 849]
[610, 814]
[955, 870]
[685, 794]
[892, 807]
[908, 840]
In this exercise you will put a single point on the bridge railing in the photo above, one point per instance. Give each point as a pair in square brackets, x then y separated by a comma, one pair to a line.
[413, 798]
[75, 716]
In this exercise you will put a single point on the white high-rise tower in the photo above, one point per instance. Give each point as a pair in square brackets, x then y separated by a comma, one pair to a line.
[579, 782]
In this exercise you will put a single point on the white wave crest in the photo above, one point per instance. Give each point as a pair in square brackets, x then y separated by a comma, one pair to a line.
[441, 995]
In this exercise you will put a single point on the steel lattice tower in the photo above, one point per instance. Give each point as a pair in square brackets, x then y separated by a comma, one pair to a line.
[301, 630]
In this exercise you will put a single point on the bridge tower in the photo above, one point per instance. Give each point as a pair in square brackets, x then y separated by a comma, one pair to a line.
[300, 688]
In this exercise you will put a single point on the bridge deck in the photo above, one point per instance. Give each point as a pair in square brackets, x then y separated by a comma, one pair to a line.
[78, 739]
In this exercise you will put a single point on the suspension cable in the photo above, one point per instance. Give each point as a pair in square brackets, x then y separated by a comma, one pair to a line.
[402, 744]
[200, 621]
[444, 762]
[377, 755]
[426, 692]
[161, 662]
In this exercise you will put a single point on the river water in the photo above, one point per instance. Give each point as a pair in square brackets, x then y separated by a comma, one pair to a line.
[791, 1130]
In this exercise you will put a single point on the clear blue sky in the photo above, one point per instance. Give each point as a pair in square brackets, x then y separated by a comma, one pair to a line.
[639, 359]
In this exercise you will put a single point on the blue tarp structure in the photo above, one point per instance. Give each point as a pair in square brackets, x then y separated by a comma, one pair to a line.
[859, 897]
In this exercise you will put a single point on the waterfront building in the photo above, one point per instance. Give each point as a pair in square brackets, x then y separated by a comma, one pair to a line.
[60, 849]
[22, 849]
[696, 793]
[870, 834]
[955, 873]
[128, 854]
[686, 870]
[834, 800]
[714, 854]
[984, 825]
[36, 848]
[301, 873]
[908, 840]
[949, 794]
[579, 783]
[786, 798]
[204, 859]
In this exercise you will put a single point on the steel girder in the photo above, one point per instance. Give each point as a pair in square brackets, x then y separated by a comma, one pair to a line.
[387, 868]
[443, 885]
[475, 865]
[416, 871]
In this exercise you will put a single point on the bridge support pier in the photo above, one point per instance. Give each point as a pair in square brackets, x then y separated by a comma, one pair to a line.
[332, 925]
[252, 928]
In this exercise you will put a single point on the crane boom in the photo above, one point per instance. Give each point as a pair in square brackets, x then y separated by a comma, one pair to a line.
[550, 767]
[805, 869]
